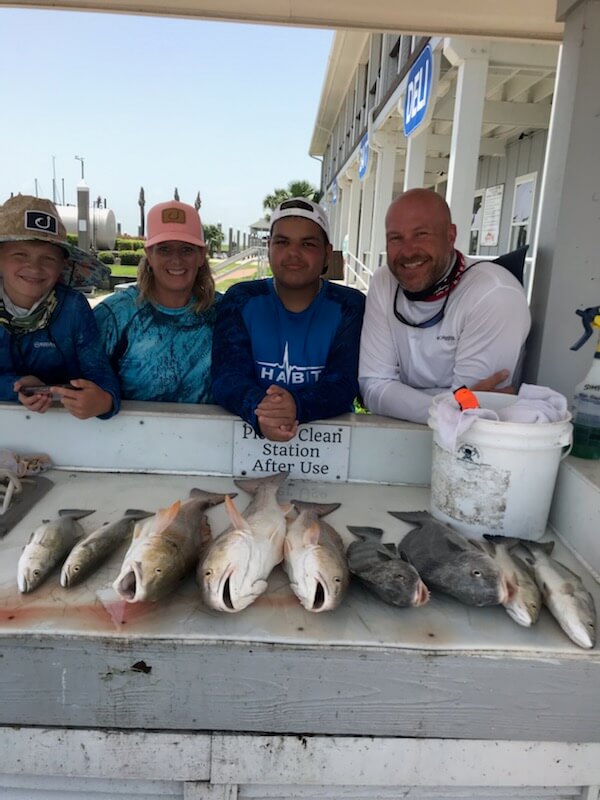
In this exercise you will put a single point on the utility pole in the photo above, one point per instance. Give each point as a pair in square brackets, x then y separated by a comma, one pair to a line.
[54, 179]
[81, 158]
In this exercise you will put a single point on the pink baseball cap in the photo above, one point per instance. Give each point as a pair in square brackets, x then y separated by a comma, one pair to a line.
[174, 222]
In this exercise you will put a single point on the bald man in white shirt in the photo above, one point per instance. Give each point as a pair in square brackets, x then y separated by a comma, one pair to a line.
[435, 319]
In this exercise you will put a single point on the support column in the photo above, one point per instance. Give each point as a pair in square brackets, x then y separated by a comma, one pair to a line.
[567, 261]
[353, 217]
[366, 215]
[472, 60]
[344, 184]
[414, 165]
[386, 144]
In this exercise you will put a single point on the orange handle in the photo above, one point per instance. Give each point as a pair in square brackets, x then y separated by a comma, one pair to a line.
[465, 398]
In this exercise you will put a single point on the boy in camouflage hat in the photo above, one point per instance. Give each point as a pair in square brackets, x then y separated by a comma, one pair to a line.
[49, 342]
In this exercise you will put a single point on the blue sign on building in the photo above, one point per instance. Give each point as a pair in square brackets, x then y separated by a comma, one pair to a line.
[363, 156]
[418, 91]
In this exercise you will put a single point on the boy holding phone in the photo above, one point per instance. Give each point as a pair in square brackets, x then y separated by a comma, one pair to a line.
[49, 342]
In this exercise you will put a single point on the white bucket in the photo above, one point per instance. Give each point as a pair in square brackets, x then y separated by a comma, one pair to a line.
[501, 475]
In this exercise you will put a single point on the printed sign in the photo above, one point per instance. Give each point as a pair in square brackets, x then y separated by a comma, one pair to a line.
[317, 452]
[492, 211]
[418, 91]
[363, 157]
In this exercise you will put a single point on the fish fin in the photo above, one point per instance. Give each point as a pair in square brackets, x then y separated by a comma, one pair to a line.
[490, 546]
[390, 546]
[384, 553]
[509, 542]
[544, 547]
[525, 565]
[235, 517]
[286, 508]
[165, 516]
[75, 513]
[404, 556]
[287, 548]
[366, 533]
[568, 589]
[477, 546]
[211, 498]
[320, 509]
[416, 517]
[136, 513]
[252, 485]
[311, 534]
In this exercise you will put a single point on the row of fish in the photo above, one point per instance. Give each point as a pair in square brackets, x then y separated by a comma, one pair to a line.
[232, 569]
[520, 575]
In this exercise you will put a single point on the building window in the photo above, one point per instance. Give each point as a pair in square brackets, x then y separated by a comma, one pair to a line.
[520, 219]
[476, 218]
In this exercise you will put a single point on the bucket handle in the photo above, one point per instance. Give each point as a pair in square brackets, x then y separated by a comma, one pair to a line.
[566, 450]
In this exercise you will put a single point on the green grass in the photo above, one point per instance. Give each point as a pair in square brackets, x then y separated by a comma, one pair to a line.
[123, 272]
[222, 286]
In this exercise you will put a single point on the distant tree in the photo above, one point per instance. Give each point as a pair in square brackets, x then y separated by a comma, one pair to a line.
[294, 189]
[213, 236]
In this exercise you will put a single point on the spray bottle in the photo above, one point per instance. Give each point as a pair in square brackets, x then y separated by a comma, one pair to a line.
[586, 403]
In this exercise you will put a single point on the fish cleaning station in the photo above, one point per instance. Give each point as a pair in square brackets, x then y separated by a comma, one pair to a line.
[184, 695]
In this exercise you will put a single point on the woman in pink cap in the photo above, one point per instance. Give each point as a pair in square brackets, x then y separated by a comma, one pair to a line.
[158, 333]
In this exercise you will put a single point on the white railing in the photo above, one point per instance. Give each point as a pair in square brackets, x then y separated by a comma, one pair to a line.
[356, 273]
[256, 253]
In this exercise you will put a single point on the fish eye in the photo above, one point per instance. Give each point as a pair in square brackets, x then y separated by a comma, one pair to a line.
[158, 570]
[337, 580]
[36, 572]
[76, 568]
[476, 573]
[208, 573]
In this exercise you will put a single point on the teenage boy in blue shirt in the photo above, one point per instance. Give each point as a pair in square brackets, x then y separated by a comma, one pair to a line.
[285, 349]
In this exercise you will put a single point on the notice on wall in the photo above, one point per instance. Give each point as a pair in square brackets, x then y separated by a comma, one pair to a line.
[492, 212]
[317, 451]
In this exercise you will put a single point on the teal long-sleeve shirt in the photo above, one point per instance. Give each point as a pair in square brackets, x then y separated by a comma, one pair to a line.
[160, 354]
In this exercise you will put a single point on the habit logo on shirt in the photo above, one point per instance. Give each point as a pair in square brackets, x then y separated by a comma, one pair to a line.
[287, 373]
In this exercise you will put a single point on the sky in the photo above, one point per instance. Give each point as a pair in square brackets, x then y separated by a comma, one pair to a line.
[221, 108]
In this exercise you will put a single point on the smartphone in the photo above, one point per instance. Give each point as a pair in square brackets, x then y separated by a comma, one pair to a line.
[29, 391]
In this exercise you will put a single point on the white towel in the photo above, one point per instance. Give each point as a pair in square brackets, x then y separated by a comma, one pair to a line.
[535, 404]
[452, 423]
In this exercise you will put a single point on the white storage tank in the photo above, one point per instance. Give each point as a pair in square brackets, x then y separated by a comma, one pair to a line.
[103, 225]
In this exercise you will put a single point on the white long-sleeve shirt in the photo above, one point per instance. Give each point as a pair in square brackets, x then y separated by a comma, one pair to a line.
[484, 329]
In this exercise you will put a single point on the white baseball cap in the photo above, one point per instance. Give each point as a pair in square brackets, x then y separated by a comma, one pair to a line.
[301, 207]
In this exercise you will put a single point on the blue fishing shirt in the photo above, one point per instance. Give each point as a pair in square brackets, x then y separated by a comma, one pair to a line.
[312, 353]
[68, 347]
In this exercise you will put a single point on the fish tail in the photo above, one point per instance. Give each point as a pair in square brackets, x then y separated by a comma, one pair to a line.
[417, 517]
[252, 485]
[366, 533]
[75, 513]
[509, 542]
[137, 513]
[544, 547]
[320, 509]
[210, 498]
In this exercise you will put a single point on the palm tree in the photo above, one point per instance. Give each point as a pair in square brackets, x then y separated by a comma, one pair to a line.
[294, 189]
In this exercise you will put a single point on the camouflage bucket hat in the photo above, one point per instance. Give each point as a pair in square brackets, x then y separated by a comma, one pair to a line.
[24, 218]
